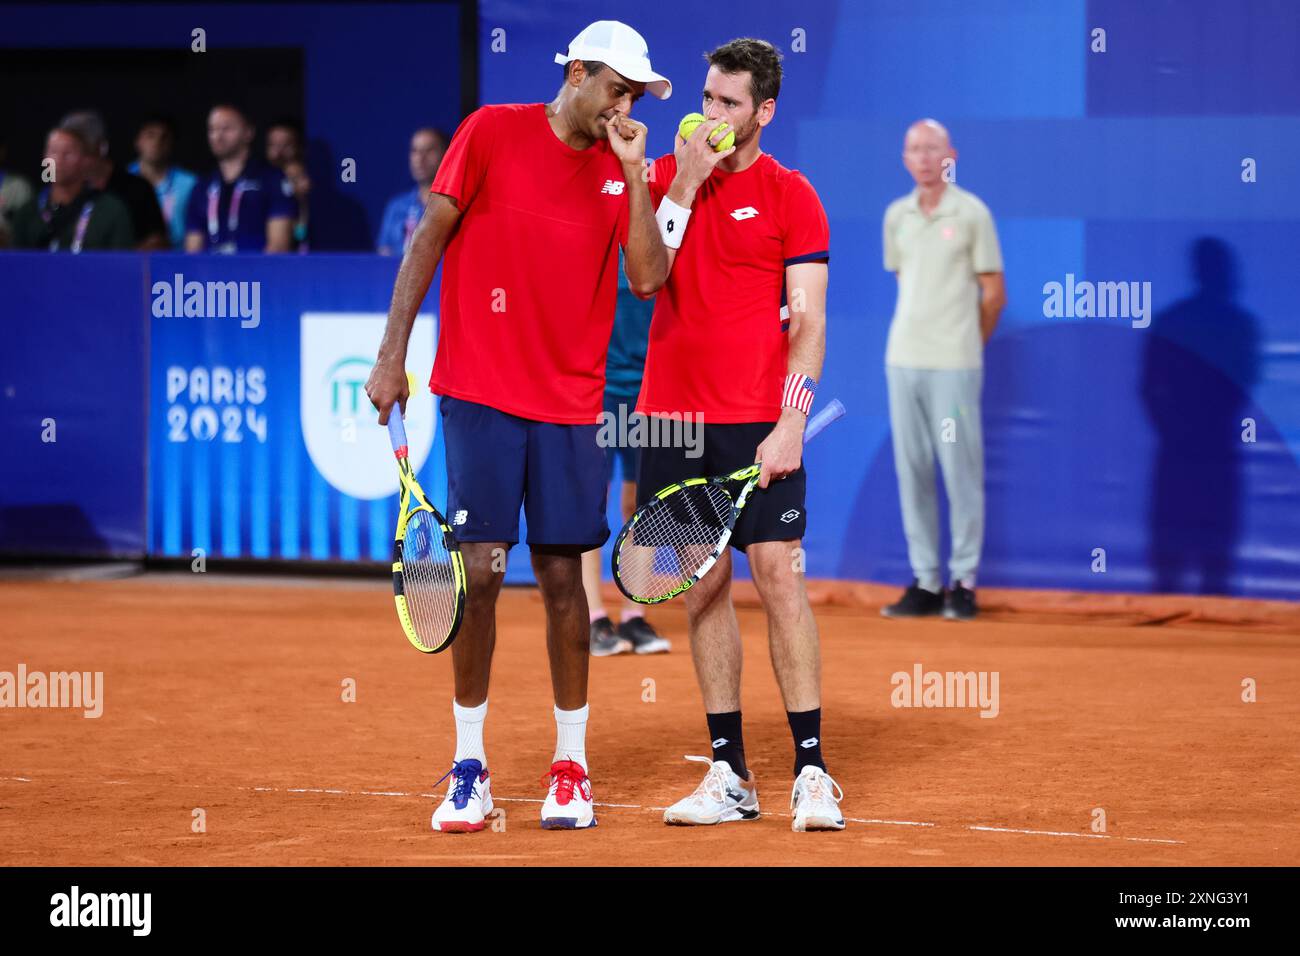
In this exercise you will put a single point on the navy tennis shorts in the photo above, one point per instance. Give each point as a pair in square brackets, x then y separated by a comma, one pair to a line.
[497, 463]
[777, 513]
[620, 409]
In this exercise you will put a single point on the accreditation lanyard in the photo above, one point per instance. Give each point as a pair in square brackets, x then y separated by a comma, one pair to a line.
[232, 214]
[83, 222]
[167, 193]
[412, 220]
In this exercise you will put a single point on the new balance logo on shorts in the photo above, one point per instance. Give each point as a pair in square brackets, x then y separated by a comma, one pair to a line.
[808, 744]
[613, 187]
[744, 212]
[460, 517]
[790, 515]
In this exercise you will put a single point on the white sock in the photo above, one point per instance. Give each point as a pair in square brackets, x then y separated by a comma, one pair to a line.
[469, 732]
[571, 735]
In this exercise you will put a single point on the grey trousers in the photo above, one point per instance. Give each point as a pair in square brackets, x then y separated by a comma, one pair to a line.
[936, 413]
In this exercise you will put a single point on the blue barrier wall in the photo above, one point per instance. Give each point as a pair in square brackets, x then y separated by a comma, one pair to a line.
[72, 404]
[1125, 165]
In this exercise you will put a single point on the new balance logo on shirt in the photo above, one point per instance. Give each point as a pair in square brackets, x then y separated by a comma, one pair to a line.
[744, 212]
[613, 187]
[461, 517]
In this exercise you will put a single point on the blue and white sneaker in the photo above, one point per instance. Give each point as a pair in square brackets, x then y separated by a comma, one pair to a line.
[468, 800]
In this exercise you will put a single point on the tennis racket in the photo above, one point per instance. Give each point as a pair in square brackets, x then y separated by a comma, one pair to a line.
[675, 538]
[428, 570]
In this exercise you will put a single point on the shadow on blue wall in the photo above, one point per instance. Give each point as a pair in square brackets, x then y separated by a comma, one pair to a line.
[1199, 367]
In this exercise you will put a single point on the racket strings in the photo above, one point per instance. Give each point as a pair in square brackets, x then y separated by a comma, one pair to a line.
[672, 538]
[428, 580]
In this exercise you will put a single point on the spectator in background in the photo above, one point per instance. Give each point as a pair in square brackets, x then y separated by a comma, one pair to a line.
[403, 212]
[70, 215]
[172, 185]
[15, 192]
[243, 205]
[284, 142]
[299, 183]
[942, 244]
[285, 150]
[624, 365]
[147, 226]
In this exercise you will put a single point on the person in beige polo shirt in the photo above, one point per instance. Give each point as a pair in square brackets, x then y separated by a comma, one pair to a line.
[941, 243]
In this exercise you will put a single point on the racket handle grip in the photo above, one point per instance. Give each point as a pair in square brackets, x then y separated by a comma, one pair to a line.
[823, 418]
[396, 429]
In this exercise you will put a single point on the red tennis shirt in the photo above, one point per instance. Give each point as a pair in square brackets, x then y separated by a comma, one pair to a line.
[718, 342]
[529, 277]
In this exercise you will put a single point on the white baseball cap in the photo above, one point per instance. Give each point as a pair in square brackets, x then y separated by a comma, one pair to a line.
[620, 48]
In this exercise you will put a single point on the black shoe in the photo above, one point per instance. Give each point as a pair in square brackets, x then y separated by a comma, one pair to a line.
[605, 641]
[915, 602]
[644, 638]
[959, 604]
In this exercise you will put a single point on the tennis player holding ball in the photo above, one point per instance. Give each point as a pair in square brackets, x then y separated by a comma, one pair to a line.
[527, 213]
[742, 231]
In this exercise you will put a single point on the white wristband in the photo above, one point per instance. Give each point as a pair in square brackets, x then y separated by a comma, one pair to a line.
[672, 220]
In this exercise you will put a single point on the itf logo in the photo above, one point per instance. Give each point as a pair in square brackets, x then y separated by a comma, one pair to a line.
[339, 425]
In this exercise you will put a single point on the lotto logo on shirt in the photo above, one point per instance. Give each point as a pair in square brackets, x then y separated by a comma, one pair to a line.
[744, 212]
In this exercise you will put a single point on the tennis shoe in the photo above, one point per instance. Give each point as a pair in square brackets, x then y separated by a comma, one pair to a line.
[468, 800]
[721, 797]
[643, 638]
[605, 641]
[814, 804]
[568, 804]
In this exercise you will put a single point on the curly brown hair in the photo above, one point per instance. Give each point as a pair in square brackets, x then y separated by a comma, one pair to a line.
[760, 59]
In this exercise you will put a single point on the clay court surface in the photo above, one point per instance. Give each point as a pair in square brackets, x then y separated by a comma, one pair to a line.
[225, 694]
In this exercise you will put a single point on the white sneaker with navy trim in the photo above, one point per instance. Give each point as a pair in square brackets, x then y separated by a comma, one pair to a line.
[814, 802]
[721, 797]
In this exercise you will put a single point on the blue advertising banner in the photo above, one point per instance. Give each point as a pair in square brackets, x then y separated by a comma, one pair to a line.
[263, 443]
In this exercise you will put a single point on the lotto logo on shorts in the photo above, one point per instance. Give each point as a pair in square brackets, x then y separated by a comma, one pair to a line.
[790, 515]
[744, 212]
[460, 517]
[613, 187]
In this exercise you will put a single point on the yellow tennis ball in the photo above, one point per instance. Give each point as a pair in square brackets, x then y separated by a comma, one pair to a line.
[691, 121]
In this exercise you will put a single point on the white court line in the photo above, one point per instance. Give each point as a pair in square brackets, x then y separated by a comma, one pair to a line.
[637, 806]
[1094, 836]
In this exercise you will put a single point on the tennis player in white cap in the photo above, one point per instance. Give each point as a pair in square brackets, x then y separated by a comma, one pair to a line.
[527, 214]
